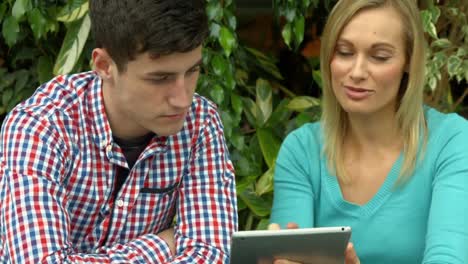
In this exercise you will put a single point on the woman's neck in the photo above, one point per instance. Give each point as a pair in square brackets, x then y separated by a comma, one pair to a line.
[377, 131]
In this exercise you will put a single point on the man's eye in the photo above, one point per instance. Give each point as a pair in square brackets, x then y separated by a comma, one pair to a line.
[159, 80]
[195, 69]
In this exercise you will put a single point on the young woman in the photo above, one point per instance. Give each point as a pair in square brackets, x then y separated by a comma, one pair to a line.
[380, 161]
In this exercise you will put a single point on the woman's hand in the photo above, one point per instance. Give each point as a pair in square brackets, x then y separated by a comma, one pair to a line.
[350, 254]
[277, 227]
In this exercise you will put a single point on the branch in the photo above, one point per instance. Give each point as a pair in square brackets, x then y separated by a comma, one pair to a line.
[460, 99]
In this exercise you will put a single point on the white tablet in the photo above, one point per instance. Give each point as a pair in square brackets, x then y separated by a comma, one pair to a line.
[324, 245]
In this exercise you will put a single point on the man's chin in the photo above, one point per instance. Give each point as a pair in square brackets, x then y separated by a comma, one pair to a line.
[168, 131]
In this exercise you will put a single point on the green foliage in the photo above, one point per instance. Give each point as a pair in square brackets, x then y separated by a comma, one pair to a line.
[33, 32]
[46, 38]
[447, 29]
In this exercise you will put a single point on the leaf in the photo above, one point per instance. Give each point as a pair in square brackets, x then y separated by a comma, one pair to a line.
[265, 182]
[453, 65]
[38, 23]
[465, 67]
[301, 103]
[264, 99]
[236, 102]
[227, 40]
[72, 46]
[44, 69]
[286, 33]
[266, 63]
[214, 11]
[442, 43]
[290, 14]
[217, 94]
[263, 224]
[432, 82]
[461, 52]
[317, 76]
[429, 27]
[269, 144]
[435, 13]
[227, 122]
[20, 7]
[218, 63]
[10, 30]
[280, 115]
[238, 141]
[214, 30]
[6, 97]
[74, 11]
[251, 110]
[299, 25]
[22, 78]
[3, 8]
[256, 204]
[232, 20]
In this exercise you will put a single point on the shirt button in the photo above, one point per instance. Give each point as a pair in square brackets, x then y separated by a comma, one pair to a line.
[120, 203]
[109, 151]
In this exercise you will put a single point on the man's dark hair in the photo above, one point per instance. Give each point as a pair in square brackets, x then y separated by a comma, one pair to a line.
[127, 28]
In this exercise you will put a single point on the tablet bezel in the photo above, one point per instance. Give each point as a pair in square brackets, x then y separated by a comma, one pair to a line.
[325, 245]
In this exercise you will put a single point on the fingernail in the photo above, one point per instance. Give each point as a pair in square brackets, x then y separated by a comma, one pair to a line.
[274, 226]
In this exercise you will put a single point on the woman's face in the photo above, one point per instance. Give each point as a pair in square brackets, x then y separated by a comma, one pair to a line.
[369, 61]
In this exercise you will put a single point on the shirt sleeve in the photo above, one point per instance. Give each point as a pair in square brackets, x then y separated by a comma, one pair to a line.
[34, 222]
[293, 191]
[447, 233]
[207, 215]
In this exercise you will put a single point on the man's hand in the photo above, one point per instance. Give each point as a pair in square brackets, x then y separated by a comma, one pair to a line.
[168, 236]
[350, 254]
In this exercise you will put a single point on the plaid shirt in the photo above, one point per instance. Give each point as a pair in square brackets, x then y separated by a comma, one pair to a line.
[58, 164]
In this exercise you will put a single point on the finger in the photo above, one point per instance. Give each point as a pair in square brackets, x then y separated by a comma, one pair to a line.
[274, 226]
[350, 255]
[292, 225]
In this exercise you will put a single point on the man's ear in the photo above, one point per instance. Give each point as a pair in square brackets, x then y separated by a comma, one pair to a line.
[102, 63]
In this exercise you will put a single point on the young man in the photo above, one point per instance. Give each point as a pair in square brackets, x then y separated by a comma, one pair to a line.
[96, 167]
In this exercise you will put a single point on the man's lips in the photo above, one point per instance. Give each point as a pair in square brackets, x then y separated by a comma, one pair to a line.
[176, 115]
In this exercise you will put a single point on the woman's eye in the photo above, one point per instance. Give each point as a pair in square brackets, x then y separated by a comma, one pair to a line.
[381, 58]
[344, 53]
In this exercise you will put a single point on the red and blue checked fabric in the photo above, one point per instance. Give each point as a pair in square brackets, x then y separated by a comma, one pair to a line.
[58, 163]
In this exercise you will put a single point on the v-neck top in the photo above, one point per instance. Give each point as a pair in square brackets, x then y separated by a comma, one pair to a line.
[422, 221]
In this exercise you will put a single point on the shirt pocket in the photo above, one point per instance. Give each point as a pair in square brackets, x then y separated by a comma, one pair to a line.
[153, 211]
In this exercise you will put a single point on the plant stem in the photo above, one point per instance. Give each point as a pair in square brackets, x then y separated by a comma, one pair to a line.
[460, 99]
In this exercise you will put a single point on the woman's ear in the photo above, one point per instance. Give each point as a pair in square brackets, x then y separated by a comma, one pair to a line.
[102, 63]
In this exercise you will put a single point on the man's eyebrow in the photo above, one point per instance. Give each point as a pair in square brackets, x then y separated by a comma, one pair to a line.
[165, 73]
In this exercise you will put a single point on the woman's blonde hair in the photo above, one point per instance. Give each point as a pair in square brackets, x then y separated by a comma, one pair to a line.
[410, 111]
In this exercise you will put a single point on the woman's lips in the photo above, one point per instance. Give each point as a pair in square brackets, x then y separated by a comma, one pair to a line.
[357, 93]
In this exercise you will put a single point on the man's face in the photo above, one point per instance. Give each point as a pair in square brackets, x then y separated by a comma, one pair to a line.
[152, 94]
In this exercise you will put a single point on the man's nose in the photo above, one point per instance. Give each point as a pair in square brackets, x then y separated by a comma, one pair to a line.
[180, 96]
